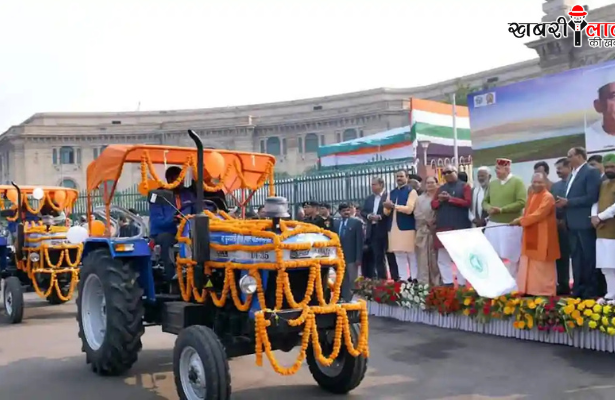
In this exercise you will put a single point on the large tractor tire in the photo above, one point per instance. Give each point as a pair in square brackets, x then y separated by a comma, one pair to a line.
[110, 313]
[200, 365]
[345, 373]
[12, 298]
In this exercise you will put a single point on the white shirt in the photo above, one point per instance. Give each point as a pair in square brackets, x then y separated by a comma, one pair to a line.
[604, 215]
[377, 200]
[478, 195]
[503, 182]
[597, 139]
[572, 176]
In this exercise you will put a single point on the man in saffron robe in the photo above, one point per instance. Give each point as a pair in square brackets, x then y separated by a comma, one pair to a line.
[603, 219]
[537, 274]
[402, 226]
[504, 201]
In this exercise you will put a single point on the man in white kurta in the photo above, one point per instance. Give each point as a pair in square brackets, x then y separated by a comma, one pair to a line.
[603, 213]
[504, 202]
[478, 216]
[399, 207]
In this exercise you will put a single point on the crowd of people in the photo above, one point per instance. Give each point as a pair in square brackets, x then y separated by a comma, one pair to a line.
[539, 232]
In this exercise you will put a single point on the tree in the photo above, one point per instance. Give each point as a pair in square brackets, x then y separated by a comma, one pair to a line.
[461, 94]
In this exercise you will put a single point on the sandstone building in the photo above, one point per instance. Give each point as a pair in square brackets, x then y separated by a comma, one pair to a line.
[55, 148]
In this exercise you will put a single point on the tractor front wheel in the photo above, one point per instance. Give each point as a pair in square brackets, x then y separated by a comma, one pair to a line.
[345, 373]
[12, 295]
[110, 313]
[200, 365]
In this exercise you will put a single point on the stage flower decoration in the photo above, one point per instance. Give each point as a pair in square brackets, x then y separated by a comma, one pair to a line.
[547, 314]
[414, 294]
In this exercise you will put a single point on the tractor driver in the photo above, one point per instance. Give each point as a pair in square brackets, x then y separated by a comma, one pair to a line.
[164, 219]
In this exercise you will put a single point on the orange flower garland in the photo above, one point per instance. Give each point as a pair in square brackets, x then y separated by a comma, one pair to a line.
[260, 228]
[147, 166]
[47, 200]
[44, 266]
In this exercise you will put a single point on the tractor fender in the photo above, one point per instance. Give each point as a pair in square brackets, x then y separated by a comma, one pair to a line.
[135, 252]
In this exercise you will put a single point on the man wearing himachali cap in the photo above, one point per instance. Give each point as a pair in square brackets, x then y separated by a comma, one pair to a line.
[603, 219]
[504, 202]
[601, 134]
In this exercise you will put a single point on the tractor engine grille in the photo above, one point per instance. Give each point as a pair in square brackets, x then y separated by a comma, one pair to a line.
[298, 283]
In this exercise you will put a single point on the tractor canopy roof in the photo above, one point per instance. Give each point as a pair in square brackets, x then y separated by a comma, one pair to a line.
[235, 169]
[59, 197]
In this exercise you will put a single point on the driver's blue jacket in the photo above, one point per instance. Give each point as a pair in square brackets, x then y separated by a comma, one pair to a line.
[12, 225]
[162, 216]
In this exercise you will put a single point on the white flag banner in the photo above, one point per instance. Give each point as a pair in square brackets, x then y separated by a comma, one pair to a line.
[477, 261]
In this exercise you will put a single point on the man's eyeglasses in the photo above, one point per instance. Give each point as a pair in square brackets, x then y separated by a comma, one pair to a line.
[447, 172]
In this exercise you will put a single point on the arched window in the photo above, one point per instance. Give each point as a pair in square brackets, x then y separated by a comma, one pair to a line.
[273, 146]
[349, 134]
[68, 183]
[311, 143]
[67, 155]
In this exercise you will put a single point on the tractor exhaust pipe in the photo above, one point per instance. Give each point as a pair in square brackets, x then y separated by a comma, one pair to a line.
[19, 201]
[200, 166]
[199, 225]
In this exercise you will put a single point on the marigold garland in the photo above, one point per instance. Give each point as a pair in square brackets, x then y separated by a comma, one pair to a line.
[44, 266]
[260, 228]
[47, 200]
[147, 166]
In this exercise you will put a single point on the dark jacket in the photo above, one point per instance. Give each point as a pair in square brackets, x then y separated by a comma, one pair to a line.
[317, 220]
[162, 216]
[380, 227]
[558, 189]
[405, 222]
[582, 194]
[351, 239]
[453, 214]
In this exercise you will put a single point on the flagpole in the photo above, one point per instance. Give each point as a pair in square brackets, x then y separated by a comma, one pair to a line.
[455, 148]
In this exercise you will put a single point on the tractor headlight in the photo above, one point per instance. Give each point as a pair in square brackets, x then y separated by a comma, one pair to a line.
[247, 284]
[332, 275]
[34, 257]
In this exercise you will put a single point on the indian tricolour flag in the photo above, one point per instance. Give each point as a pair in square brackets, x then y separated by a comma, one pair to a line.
[433, 121]
[429, 121]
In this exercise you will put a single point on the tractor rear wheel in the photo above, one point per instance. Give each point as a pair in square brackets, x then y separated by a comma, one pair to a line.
[12, 295]
[110, 313]
[200, 365]
[345, 373]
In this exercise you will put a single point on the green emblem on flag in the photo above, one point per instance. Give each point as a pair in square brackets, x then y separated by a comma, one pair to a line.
[478, 266]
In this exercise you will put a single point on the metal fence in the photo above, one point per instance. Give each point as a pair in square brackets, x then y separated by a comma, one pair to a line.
[352, 185]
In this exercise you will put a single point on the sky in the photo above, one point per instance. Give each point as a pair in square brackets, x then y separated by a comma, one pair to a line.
[124, 55]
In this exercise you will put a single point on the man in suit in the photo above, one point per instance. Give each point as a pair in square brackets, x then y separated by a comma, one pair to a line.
[350, 231]
[596, 162]
[558, 189]
[542, 166]
[582, 191]
[325, 214]
[376, 233]
[310, 208]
